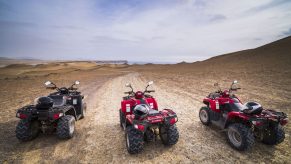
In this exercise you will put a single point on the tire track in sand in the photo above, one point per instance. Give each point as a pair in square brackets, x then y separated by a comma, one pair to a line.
[104, 141]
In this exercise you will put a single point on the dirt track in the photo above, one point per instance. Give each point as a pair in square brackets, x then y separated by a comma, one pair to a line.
[99, 138]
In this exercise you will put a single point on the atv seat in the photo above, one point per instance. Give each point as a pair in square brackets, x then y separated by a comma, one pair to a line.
[253, 108]
[58, 100]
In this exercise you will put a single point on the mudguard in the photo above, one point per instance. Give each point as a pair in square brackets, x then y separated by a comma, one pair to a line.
[236, 115]
[213, 104]
[232, 115]
[127, 106]
[30, 112]
[206, 101]
[68, 110]
[166, 116]
[26, 112]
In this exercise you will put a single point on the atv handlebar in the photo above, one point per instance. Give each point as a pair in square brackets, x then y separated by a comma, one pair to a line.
[234, 89]
[131, 93]
[149, 91]
[72, 89]
[219, 91]
[63, 90]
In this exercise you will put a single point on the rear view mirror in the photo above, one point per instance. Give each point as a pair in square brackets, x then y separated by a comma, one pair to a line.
[150, 82]
[127, 85]
[77, 82]
[216, 84]
[234, 85]
[48, 83]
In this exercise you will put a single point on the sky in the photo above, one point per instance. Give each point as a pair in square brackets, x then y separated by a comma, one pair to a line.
[139, 30]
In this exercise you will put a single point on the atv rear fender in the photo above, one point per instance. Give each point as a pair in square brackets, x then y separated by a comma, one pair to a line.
[170, 117]
[272, 115]
[26, 112]
[30, 112]
[140, 125]
[166, 116]
[235, 117]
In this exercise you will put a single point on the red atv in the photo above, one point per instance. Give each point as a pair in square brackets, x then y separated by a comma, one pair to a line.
[242, 122]
[140, 117]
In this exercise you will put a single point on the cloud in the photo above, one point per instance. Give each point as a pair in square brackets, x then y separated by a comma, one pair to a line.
[104, 40]
[268, 5]
[164, 31]
[216, 18]
[66, 27]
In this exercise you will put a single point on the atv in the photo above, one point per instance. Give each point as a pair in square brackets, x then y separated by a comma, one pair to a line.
[56, 112]
[142, 121]
[242, 122]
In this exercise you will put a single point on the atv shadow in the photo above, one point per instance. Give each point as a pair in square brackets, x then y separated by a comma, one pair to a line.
[217, 138]
[151, 150]
[199, 143]
[12, 149]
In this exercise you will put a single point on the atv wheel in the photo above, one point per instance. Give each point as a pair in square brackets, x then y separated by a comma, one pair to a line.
[66, 127]
[122, 120]
[169, 135]
[84, 108]
[27, 130]
[240, 136]
[274, 136]
[204, 115]
[134, 140]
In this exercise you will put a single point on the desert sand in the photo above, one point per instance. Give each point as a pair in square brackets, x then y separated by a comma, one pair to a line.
[264, 74]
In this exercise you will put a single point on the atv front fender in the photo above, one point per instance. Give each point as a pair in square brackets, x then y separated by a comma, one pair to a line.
[206, 101]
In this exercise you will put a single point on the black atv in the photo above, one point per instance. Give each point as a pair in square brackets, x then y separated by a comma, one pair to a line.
[56, 112]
